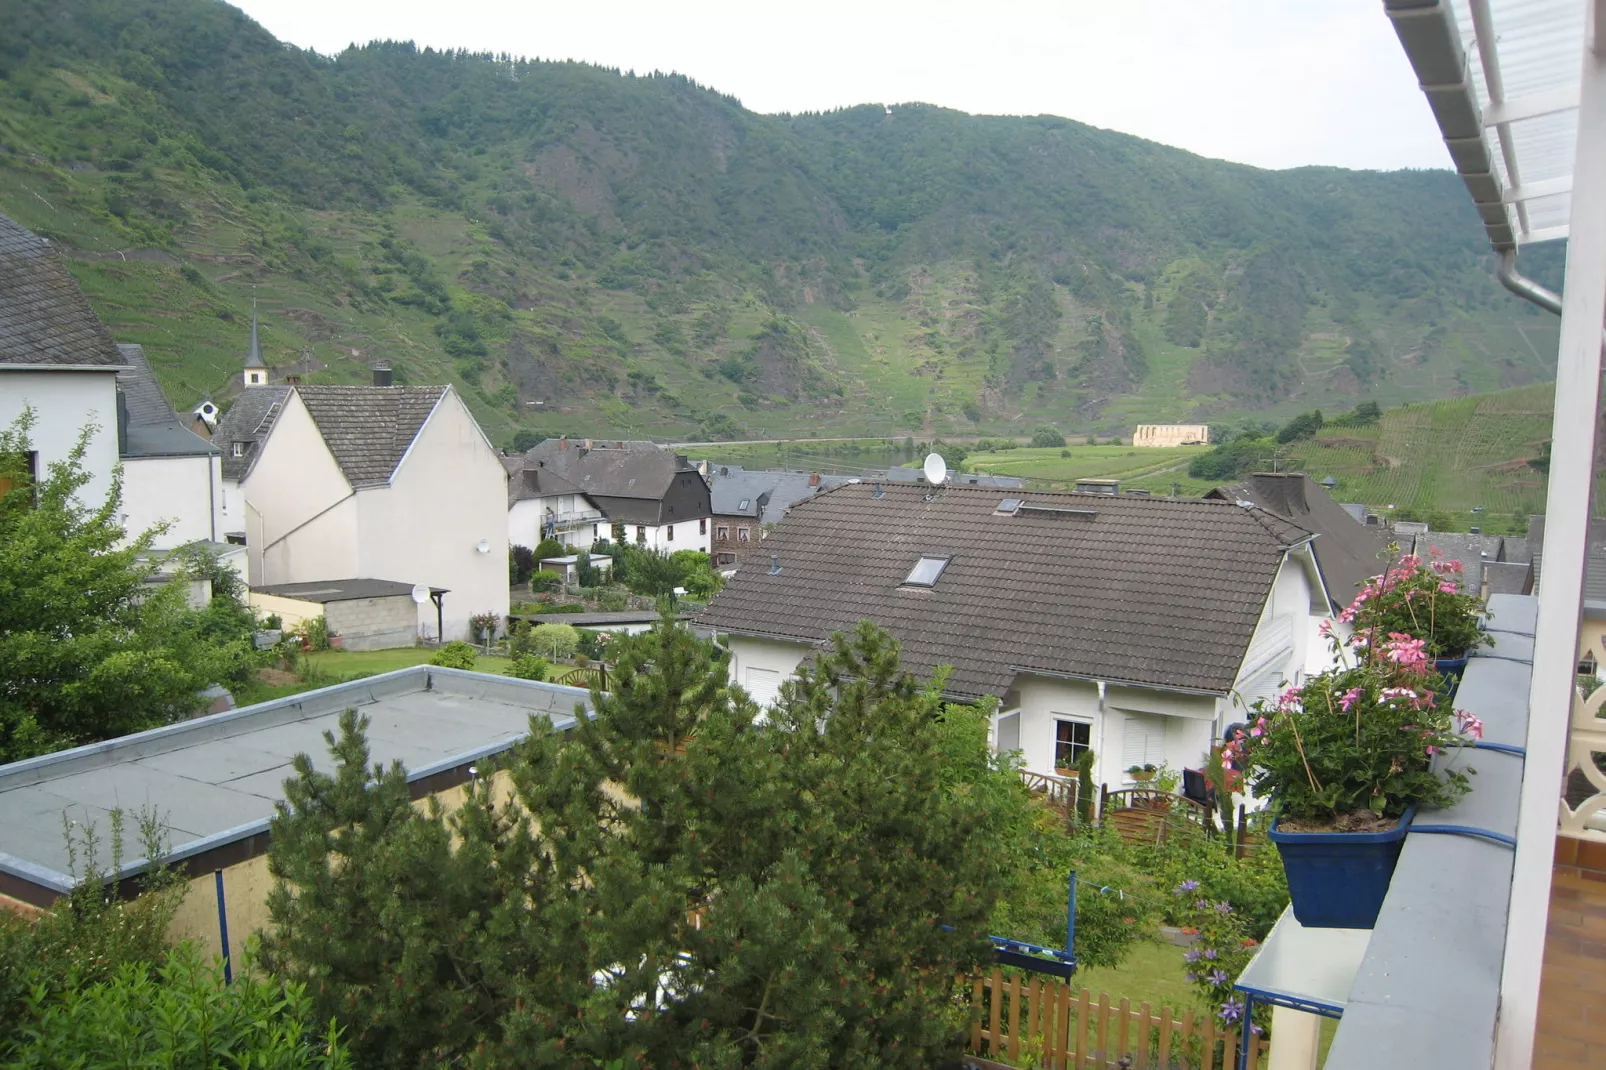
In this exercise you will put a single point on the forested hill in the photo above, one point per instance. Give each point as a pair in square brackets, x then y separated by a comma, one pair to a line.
[584, 249]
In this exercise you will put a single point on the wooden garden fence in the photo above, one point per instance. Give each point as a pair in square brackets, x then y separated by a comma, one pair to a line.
[1064, 1028]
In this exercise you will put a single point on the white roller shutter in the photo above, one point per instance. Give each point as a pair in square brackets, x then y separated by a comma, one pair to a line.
[1142, 740]
[1009, 732]
[764, 685]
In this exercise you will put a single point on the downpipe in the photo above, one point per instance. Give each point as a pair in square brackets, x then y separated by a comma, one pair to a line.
[1528, 289]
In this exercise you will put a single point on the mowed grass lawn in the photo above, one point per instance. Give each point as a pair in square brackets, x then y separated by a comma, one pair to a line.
[1066, 465]
[339, 666]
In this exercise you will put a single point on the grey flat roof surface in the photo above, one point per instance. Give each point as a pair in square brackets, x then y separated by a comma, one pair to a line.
[216, 779]
[340, 590]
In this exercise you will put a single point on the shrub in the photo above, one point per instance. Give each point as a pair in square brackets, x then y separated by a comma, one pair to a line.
[1221, 953]
[454, 655]
[520, 563]
[549, 548]
[1047, 437]
[556, 640]
[613, 599]
[272, 622]
[315, 630]
[530, 667]
[484, 625]
[545, 580]
[584, 570]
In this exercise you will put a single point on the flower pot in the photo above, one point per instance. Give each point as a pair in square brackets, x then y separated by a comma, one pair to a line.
[1337, 880]
[1451, 669]
[337, 642]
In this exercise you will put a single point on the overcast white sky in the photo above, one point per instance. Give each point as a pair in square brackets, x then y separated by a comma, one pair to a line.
[1276, 83]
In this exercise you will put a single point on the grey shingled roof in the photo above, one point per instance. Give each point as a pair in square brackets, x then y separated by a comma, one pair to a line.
[611, 469]
[1595, 567]
[249, 419]
[1159, 591]
[769, 494]
[44, 316]
[154, 429]
[914, 474]
[368, 428]
[528, 479]
[1346, 549]
[1472, 551]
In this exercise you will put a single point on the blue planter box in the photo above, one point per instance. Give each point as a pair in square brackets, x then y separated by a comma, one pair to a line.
[1337, 880]
[1451, 669]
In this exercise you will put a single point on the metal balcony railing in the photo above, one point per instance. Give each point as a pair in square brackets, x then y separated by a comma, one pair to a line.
[569, 521]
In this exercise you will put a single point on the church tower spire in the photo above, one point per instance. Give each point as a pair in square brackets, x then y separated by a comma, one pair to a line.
[256, 370]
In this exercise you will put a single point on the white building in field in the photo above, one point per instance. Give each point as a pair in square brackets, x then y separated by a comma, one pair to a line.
[1132, 626]
[344, 483]
[647, 496]
[1165, 435]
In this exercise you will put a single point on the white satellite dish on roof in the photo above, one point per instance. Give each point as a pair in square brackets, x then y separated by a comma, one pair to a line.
[420, 593]
[936, 469]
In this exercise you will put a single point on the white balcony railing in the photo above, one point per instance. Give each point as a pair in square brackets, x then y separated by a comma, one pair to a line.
[1583, 803]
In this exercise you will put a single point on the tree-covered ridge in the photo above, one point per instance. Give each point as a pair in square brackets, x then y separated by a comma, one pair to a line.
[574, 245]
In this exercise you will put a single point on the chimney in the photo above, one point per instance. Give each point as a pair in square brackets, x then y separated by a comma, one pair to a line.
[563, 443]
[382, 373]
[585, 444]
[814, 479]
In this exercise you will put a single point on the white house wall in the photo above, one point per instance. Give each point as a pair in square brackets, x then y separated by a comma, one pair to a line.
[64, 402]
[1186, 724]
[525, 521]
[755, 663]
[304, 529]
[693, 534]
[177, 490]
[448, 494]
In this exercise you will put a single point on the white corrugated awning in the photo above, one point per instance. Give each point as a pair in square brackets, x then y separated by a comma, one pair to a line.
[1502, 77]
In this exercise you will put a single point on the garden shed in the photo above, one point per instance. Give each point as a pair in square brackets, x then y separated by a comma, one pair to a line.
[367, 614]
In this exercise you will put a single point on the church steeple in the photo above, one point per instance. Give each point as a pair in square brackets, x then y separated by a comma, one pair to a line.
[256, 370]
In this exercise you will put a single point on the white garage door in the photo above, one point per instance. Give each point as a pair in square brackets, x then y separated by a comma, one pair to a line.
[764, 685]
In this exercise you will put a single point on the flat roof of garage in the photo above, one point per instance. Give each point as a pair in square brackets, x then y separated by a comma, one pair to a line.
[214, 780]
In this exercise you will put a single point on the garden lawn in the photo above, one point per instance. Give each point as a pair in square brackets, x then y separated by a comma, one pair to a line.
[349, 664]
[1152, 973]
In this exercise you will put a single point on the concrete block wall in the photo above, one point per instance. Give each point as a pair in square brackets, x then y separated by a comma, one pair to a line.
[374, 623]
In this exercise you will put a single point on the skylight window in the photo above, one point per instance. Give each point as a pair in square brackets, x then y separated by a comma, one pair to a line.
[743, 506]
[1009, 505]
[926, 572]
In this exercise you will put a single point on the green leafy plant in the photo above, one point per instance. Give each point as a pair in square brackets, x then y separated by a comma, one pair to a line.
[483, 625]
[520, 563]
[455, 655]
[554, 640]
[272, 622]
[1420, 599]
[315, 632]
[1221, 950]
[543, 579]
[1358, 742]
[530, 667]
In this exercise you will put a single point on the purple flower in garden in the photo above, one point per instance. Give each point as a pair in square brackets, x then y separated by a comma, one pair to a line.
[1218, 976]
[1350, 698]
[1231, 1010]
[1210, 953]
[1190, 977]
[1191, 955]
[1187, 886]
[1223, 907]
[1202, 904]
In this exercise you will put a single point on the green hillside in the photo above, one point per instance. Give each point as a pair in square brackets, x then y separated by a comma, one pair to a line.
[585, 250]
[1442, 459]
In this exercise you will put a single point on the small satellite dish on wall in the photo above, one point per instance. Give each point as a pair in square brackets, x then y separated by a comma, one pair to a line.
[420, 593]
[483, 546]
[936, 469]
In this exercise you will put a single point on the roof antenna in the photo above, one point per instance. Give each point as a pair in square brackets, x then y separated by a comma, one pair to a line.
[878, 492]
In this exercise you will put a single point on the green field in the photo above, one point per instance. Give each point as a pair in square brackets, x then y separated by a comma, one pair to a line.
[1445, 457]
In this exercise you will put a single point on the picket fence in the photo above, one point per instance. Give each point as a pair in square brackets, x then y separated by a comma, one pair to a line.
[1064, 1028]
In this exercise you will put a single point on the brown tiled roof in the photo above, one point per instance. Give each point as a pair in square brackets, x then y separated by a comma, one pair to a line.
[1346, 550]
[528, 479]
[615, 469]
[44, 316]
[1159, 591]
[368, 428]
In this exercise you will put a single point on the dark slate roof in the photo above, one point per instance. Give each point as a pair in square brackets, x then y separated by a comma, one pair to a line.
[528, 479]
[1474, 552]
[1346, 549]
[1159, 591]
[769, 494]
[153, 429]
[906, 474]
[325, 591]
[44, 316]
[1508, 577]
[612, 469]
[249, 419]
[368, 428]
[1595, 568]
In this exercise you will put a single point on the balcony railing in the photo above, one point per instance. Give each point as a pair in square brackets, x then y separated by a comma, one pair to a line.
[1583, 803]
[569, 521]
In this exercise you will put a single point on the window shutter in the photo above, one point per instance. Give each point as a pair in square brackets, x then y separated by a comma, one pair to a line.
[1143, 740]
[764, 685]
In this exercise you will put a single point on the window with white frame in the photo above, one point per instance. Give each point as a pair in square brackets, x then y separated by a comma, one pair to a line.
[239, 449]
[742, 534]
[723, 533]
[1073, 737]
[669, 533]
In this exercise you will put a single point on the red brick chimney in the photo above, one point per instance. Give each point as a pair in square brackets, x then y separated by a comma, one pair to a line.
[563, 443]
[814, 479]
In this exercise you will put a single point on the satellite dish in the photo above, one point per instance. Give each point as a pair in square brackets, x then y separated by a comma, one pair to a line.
[936, 469]
[420, 593]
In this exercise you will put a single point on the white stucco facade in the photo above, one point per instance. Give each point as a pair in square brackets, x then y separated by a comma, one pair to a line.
[183, 492]
[577, 522]
[64, 401]
[695, 534]
[305, 522]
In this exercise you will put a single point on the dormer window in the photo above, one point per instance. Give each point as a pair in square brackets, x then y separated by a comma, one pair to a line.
[238, 449]
[926, 572]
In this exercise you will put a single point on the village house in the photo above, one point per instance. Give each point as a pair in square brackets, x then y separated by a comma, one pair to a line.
[650, 496]
[746, 503]
[543, 505]
[1136, 627]
[382, 482]
[57, 359]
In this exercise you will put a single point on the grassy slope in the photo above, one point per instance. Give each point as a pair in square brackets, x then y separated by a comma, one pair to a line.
[1447, 456]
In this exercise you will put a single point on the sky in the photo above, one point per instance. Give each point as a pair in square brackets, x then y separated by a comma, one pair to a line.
[1273, 83]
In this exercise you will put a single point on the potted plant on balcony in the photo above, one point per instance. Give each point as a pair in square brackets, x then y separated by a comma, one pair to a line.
[1347, 757]
[1423, 599]
[1142, 773]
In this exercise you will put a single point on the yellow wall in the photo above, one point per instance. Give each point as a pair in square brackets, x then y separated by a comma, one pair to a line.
[292, 611]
